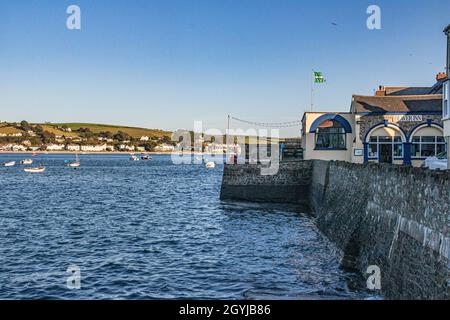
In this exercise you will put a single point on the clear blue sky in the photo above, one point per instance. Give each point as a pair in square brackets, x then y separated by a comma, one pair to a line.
[164, 64]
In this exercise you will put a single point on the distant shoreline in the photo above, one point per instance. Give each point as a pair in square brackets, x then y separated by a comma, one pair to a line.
[83, 153]
[100, 152]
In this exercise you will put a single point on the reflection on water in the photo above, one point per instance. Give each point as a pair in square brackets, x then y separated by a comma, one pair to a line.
[151, 229]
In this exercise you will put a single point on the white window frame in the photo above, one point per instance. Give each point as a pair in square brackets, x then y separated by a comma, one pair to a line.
[436, 143]
[393, 143]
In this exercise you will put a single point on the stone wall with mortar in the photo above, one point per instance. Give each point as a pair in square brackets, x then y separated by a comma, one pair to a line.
[396, 218]
[290, 185]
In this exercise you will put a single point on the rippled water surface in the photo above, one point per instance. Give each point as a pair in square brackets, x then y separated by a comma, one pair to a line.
[144, 230]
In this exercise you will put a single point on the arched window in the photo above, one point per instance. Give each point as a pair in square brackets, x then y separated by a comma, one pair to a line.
[427, 141]
[331, 135]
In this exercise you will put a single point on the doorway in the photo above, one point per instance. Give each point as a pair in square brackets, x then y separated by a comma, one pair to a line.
[385, 153]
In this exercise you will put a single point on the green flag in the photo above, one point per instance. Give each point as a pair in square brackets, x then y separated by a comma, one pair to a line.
[318, 77]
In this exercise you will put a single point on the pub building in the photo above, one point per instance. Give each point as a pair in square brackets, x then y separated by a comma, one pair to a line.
[399, 125]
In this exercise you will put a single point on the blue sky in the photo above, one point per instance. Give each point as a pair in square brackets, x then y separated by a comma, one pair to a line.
[166, 63]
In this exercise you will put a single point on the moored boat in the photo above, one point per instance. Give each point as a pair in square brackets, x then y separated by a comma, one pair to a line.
[76, 163]
[210, 165]
[134, 158]
[26, 161]
[35, 170]
[9, 164]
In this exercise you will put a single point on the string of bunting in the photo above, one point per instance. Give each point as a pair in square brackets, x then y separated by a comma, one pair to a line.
[290, 124]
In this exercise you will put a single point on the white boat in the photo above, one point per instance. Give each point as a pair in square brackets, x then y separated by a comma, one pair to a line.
[210, 165]
[76, 163]
[9, 164]
[134, 158]
[26, 161]
[35, 170]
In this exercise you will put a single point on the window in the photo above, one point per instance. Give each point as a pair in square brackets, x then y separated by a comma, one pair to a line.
[427, 146]
[331, 136]
[376, 142]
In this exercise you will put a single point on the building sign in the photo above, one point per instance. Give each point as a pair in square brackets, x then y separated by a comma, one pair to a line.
[404, 118]
[359, 152]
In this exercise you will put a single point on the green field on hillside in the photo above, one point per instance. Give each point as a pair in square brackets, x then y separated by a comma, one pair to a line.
[97, 128]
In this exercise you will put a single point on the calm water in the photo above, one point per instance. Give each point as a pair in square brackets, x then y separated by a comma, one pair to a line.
[144, 230]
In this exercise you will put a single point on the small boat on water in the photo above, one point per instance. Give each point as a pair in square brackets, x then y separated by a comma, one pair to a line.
[76, 163]
[9, 164]
[35, 170]
[134, 158]
[210, 165]
[26, 161]
[146, 157]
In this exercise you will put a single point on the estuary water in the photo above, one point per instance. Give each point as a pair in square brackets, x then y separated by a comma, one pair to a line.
[154, 230]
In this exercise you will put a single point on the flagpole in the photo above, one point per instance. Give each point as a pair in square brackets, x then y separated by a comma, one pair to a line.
[312, 90]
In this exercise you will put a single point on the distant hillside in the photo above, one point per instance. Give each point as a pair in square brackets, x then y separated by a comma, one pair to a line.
[97, 128]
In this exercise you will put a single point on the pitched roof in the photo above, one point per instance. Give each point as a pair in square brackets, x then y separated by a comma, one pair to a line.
[413, 103]
[412, 91]
[406, 91]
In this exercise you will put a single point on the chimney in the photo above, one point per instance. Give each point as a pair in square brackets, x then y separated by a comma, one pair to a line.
[381, 92]
[441, 76]
[447, 33]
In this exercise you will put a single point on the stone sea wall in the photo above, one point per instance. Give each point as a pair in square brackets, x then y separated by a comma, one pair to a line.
[290, 185]
[395, 218]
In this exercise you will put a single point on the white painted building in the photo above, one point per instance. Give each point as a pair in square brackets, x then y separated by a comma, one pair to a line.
[164, 148]
[73, 147]
[13, 147]
[218, 148]
[124, 147]
[96, 148]
[56, 147]
[145, 138]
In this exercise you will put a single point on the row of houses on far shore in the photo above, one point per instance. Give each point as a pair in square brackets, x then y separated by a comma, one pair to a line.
[24, 146]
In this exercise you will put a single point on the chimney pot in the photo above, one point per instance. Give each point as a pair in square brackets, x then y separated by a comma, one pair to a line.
[381, 92]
